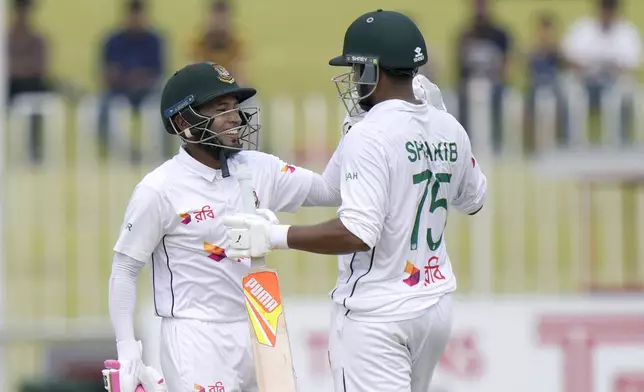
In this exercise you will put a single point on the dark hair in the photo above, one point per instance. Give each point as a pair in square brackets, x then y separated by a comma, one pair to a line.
[546, 19]
[220, 5]
[135, 5]
[22, 4]
[609, 4]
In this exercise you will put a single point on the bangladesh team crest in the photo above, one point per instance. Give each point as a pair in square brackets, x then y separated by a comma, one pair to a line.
[223, 74]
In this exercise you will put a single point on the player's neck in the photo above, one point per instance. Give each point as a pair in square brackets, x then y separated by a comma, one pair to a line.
[202, 156]
[403, 93]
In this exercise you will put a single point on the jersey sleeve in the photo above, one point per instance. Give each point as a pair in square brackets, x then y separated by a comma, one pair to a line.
[471, 189]
[143, 224]
[333, 168]
[291, 185]
[364, 177]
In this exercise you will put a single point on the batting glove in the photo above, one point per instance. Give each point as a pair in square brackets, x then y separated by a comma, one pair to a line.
[254, 235]
[350, 121]
[132, 371]
[428, 92]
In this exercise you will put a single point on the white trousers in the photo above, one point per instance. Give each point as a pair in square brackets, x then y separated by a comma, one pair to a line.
[388, 356]
[199, 356]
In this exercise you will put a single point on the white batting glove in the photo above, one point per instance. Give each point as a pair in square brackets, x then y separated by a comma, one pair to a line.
[350, 121]
[132, 371]
[268, 215]
[254, 235]
[428, 92]
[151, 380]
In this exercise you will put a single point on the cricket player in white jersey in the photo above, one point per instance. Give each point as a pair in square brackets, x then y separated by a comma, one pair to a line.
[402, 166]
[174, 222]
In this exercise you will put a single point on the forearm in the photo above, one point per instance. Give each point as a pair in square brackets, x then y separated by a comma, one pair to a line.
[122, 296]
[329, 238]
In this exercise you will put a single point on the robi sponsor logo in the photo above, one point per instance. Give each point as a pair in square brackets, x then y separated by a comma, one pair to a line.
[217, 387]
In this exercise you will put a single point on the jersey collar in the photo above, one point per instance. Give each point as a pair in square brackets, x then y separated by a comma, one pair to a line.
[398, 104]
[197, 167]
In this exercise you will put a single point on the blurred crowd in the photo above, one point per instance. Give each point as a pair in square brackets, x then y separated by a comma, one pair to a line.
[599, 50]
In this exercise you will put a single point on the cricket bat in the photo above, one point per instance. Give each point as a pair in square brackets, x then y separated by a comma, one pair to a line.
[269, 336]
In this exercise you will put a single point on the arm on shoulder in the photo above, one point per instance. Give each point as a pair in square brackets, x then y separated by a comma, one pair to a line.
[364, 188]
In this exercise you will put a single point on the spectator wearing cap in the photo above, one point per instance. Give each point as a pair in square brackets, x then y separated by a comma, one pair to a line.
[28, 64]
[132, 62]
[602, 51]
[219, 42]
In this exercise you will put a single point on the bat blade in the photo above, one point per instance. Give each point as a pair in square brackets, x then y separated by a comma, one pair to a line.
[269, 336]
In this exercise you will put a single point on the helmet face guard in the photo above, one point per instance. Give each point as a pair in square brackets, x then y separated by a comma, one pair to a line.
[357, 86]
[200, 128]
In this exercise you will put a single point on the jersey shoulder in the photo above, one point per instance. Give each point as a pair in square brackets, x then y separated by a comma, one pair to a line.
[158, 178]
[256, 159]
[448, 123]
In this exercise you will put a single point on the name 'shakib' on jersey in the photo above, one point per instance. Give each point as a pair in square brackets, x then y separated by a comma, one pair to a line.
[409, 176]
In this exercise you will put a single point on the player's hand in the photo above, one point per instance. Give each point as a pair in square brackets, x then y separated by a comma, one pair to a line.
[249, 235]
[268, 215]
[132, 371]
[152, 381]
[428, 91]
[350, 121]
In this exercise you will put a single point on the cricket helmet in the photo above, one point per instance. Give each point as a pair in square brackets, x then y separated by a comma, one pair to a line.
[197, 84]
[374, 41]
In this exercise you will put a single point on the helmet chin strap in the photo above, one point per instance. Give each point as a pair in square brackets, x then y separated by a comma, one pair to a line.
[221, 154]
[223, 163]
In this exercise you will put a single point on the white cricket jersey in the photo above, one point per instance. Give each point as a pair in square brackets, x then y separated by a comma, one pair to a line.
[174, 220]
[401, 169]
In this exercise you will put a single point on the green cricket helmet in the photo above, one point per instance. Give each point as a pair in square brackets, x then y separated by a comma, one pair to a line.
[200, 83]
[376, 40]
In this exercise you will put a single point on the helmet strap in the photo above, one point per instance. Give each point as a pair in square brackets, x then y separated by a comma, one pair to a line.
[223, 163]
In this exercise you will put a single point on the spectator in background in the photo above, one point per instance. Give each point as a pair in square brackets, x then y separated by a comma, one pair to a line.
[545, 63]
[28, 66]
[132, 62]
[219, 42]
[603, 51]
[482, 53]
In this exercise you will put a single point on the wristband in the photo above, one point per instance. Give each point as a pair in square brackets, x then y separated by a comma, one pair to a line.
[278, 236]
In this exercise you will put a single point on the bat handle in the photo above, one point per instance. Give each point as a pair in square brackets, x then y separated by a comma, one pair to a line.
[245, 178]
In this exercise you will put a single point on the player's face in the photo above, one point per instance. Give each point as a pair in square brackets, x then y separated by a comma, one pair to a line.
[226, 119]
